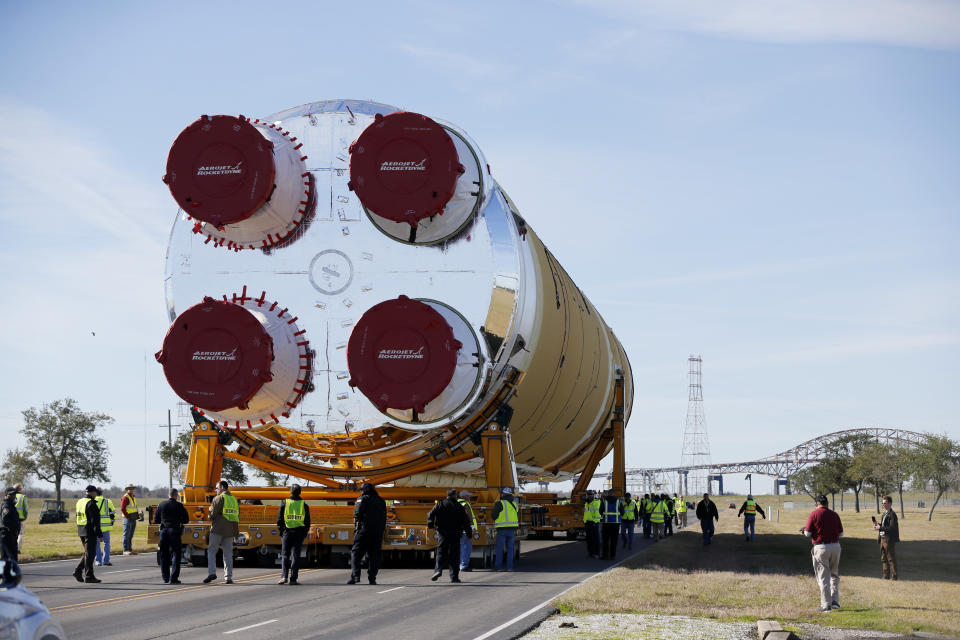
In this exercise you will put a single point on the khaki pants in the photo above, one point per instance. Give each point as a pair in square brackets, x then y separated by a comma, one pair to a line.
[23, 525]
[220, 542]
[657, 530]
[826, 566]
[888, 558]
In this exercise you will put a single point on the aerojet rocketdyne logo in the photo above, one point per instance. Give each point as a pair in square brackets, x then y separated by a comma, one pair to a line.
[401, 354]
[407, 165]
[220, 169]
[215, 355]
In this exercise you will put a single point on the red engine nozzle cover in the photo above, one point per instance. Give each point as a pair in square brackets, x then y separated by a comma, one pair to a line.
[404, 167]
[216, 355]
[220, 169]
[401, 354]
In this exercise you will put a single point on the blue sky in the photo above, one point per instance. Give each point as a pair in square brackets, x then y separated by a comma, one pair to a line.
[772, 185]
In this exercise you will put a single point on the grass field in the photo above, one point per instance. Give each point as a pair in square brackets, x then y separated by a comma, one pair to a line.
[772, 577]
[53, 541]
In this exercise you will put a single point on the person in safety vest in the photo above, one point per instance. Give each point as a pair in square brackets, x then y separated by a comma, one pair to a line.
[172, 516]
[611, 509]
[646, 509]
[749, 509]
[450, 520]
[681, 512]
[370, 520]
[107, 511]
[9, 525]
[293, 520]
[629, 519]
[667, 515]
[224, 527]
[88, 528]
[506, 520]
[591, 523]
[20, 502]
[466, 542]
[128, 507]
[658, 513]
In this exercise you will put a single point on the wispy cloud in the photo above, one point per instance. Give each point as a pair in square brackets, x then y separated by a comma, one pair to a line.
[913, 23]
[60, 183]
[453, 61]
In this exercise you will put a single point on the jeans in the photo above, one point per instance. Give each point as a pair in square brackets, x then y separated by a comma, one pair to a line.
[466, 548]
[103, 557]
[749, 523]
[626, 533]
[706, 525]
[216, 542]
[504, 546]
[129, 526]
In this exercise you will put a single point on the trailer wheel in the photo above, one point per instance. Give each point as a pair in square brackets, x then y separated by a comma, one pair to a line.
[265, 557]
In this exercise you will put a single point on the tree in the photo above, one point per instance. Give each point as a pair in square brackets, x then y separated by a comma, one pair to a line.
[62, 442]
[179, 453]
[871, 463]
[937, 463]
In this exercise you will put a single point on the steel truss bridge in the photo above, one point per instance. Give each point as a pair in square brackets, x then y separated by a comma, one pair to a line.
[780, 466]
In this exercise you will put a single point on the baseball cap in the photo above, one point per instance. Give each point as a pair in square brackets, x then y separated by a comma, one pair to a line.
[90, 487]
[822, 499]
[507, 491]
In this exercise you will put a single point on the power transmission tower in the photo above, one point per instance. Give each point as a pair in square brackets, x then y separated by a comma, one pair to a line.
[696, 445]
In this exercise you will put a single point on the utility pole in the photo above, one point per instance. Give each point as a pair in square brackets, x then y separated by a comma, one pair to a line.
[169, 427]
[749, 479]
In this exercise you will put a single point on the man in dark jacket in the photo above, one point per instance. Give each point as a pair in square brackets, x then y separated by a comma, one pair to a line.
[9, 525]
[706, 514]
[450, 520]
[888, 535]
[370, 519]
[172, 516]
[293, 519]
[88, 528]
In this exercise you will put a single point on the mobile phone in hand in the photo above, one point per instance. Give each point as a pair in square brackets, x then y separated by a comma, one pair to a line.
[874, 518]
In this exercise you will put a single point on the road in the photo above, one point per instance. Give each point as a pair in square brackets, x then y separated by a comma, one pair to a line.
[133, 603]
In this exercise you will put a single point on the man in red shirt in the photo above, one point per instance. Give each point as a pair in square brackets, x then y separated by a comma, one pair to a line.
[825, 530]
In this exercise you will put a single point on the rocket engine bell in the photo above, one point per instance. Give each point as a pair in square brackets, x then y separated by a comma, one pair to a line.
[410, 285]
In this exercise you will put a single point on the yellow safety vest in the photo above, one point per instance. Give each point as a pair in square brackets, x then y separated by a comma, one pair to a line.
[231, 509]
[106, 509]
[647, 506]
[21, 503]
[292, 512]
[508, 516]
[466, 505]
[82, 512]
[656, 516]
[591, 511]
[131, 505]
[751, 508]
[681, 505]
[630, 510]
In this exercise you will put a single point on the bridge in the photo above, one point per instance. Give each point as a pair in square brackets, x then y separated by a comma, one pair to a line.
[780, 466]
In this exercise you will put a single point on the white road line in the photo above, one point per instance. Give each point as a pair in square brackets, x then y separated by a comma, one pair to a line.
[123, 571]
[259, 624]
[389, 590]
[545, 603]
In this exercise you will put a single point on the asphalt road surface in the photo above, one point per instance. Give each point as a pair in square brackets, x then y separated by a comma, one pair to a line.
[133, 603]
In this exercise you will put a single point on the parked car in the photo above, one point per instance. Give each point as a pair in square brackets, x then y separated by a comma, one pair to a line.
[53, 511]
[22, 615]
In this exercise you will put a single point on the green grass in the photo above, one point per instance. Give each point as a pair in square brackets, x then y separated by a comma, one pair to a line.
[56, 541]
[772, 577]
